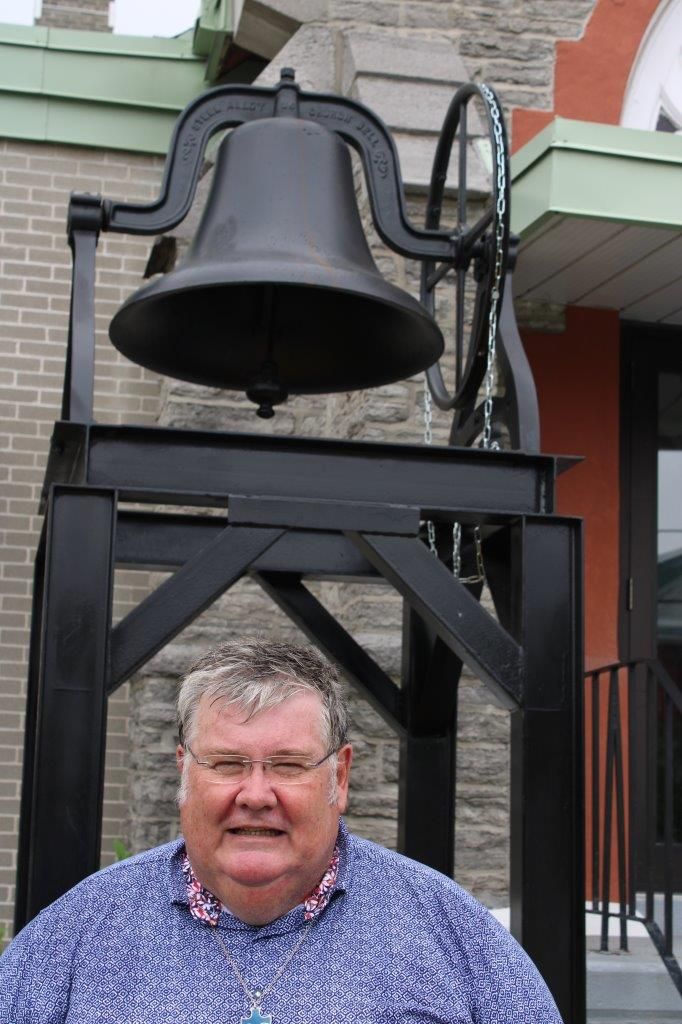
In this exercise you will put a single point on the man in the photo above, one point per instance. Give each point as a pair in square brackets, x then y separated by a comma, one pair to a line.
[267, 910]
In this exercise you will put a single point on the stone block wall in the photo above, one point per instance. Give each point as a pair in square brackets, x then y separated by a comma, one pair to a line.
[404, 60]
[371, 614]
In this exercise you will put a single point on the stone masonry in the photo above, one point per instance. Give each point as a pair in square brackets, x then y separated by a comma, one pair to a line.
[85, 15]
[404, 59]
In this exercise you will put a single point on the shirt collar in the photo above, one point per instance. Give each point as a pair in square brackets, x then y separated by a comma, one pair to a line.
[206, 907]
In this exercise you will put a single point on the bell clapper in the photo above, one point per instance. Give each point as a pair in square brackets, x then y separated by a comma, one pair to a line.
[266, 390]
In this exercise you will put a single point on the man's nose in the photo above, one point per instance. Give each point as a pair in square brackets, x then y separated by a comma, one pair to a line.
[256, 790]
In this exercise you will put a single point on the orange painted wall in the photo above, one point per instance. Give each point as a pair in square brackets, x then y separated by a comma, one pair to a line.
[577, 374]
[591, 73]
[577, 378]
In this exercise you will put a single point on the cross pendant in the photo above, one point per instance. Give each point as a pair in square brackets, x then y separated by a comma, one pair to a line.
[256, 1017]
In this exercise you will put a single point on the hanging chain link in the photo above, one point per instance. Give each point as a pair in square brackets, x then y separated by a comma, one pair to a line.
[498, 267]
[428, 439]
[487, 442]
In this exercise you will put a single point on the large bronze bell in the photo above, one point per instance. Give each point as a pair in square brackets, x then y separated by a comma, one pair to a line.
[279, 293]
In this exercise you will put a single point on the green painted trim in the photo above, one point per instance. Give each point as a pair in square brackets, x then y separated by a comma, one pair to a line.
[74, 123]
[605, 172]
[74, 40]
[97, 78]
[216, 18]
[97, 89]
[213, 33]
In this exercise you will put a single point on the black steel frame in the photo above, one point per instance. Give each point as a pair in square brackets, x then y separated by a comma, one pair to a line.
[325, 509]
[298, 509]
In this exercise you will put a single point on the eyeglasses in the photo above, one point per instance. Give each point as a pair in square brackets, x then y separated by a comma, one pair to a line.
[284, 769]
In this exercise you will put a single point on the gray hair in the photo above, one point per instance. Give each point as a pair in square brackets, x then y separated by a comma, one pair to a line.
[255, 674]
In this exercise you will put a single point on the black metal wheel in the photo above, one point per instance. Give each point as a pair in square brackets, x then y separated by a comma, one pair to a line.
[481, 248]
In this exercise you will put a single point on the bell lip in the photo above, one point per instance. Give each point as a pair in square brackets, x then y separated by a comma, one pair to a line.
[132, 345]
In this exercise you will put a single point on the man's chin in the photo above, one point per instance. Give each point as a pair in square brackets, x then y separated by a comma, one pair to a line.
[254, 862]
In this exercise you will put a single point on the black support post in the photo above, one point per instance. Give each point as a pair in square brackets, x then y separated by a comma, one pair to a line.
[426, 795]
[63, 781]
[26, 813]
[547, 876]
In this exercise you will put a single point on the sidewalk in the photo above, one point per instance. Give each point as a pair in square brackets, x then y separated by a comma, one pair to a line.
[630, 987]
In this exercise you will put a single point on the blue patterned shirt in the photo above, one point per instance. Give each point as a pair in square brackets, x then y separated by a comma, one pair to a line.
[397, 943]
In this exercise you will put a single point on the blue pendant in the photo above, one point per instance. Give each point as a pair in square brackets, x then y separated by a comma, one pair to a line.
[256, 1017]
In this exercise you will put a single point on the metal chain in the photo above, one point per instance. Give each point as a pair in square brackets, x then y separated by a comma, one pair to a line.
[489, 381]
[479, 575]
[257, 996]
[428, 439]
[498, 267]
[456, 549]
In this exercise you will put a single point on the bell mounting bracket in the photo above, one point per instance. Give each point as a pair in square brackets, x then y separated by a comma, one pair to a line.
[228, 106]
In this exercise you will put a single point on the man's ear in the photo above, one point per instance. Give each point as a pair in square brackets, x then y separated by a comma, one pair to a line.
[180, 756]
[344, 758]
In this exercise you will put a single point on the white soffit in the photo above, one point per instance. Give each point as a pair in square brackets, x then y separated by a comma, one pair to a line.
[599, 212]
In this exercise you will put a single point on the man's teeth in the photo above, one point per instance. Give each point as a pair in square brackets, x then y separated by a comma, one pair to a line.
[256, 831]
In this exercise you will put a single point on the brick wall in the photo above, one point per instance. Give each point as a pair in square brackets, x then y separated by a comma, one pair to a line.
[35, 181]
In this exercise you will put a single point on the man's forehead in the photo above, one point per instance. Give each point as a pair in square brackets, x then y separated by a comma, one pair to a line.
[304, 705]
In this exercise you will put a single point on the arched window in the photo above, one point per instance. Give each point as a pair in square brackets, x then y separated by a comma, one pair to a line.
[653, 97]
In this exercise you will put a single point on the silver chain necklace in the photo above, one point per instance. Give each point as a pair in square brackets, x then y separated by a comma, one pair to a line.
[257, 995]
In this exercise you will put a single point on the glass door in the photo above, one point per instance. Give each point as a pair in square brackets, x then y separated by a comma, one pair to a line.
[669, 579]
[652, 572]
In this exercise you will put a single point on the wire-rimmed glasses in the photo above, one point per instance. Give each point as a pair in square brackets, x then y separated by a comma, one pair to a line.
[232, 769]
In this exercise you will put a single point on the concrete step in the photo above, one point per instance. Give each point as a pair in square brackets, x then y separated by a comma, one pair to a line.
[631, 987]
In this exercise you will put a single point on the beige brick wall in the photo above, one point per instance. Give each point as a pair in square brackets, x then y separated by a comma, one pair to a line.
[35, 181]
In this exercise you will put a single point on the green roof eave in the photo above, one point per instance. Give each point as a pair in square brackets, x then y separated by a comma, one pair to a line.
[94, 88]
[213, 30]
[597, 171]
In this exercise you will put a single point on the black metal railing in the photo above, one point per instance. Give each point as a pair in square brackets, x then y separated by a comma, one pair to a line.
[634, 736]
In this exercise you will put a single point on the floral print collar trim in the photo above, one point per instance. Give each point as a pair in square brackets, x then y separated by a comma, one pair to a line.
[206, 907]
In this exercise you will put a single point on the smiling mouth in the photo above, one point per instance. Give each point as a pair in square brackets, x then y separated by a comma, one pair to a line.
[255, 832]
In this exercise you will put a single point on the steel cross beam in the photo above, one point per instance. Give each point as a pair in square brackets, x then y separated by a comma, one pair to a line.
[337, 510]
[192, 467]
